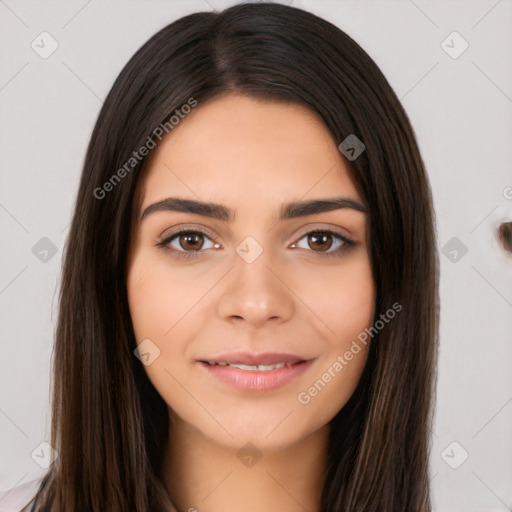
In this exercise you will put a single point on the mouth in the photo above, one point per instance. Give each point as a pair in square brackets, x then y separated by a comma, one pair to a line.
[252, 367]
[250, 359]
[255, 372]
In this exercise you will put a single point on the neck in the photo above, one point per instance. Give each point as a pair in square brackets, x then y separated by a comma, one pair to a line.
[202, 475]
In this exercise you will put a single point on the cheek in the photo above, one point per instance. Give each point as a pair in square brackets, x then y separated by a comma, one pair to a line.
[165, 306]
[355, 304]
[341, 298]
[147, 299]
[158, 300]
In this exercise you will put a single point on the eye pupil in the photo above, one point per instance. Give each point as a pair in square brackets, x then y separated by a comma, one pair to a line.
[191, 241]
[321, 239]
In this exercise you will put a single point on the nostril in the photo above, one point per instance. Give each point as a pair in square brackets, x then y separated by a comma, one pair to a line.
[505, 235]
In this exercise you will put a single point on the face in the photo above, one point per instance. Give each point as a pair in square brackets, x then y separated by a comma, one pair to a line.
[278, 291]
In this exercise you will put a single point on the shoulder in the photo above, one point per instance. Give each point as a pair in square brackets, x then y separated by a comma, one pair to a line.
[14, 499]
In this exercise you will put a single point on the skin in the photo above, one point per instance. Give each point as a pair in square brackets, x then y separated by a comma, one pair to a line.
[252, 157]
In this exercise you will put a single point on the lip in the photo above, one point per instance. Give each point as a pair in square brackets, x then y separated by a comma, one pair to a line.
[254, 380]
[249, 358]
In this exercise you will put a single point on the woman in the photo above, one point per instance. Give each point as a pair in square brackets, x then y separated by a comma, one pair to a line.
[249, 303]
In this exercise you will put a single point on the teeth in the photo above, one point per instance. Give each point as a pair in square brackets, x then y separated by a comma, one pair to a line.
[259, 368]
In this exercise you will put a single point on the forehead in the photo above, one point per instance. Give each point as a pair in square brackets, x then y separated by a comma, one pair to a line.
[239, 147]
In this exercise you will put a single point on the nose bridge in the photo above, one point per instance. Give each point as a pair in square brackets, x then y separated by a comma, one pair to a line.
[253, 292]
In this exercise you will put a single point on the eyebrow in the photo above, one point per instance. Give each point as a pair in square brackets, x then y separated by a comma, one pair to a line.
[223, 213]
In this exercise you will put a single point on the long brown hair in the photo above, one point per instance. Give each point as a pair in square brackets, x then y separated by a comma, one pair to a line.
[109, 424]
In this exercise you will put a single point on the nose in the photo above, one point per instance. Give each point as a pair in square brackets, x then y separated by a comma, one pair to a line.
[256, 292]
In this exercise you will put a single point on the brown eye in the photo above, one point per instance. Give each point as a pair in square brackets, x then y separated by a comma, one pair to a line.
[325, 242]
[191, 241]
[320, 241]
[187, 242]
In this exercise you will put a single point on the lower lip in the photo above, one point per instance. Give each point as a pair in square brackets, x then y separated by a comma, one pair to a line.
[254, 380]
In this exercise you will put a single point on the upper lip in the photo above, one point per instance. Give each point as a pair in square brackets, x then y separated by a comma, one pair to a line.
[249, 358]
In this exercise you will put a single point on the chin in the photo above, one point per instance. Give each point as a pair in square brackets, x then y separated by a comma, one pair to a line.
[267, 433]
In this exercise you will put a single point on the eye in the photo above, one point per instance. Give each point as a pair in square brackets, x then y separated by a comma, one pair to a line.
[187, 242]
[325, 242]
[190, 243]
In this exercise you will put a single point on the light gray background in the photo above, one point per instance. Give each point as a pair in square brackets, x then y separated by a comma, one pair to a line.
[461, 110]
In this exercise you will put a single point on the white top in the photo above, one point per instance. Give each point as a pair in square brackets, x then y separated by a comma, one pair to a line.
[15, 499]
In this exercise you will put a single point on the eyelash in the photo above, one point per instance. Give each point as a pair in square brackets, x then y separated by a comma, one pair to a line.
[164, 243]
